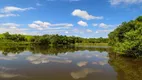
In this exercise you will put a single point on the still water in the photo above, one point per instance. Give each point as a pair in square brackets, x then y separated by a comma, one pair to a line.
[74, 63]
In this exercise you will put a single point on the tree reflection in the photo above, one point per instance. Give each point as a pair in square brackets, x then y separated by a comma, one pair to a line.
[126, 68]
[36, 49]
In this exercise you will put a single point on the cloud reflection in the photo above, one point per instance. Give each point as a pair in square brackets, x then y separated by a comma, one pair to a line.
[83, 63]
[83, 73]
[102, 63]
[9, 56]
[2, 68]
[39, 59]
[8, 75]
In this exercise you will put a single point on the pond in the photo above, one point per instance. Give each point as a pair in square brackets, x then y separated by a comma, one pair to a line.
[66, 63]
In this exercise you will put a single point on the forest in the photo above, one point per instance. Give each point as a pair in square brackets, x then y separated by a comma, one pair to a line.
[51, 40]
[127, 38]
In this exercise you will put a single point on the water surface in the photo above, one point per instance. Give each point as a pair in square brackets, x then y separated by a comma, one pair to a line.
[74, 63]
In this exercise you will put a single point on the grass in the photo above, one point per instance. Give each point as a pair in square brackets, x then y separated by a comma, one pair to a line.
[91, 44]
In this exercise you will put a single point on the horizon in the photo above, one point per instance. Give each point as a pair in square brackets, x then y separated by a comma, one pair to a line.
[81, 18]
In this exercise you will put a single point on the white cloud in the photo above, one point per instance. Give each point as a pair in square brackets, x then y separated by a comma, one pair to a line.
[85, 15]
[103, 25]
[66, 32]
[46, 25]
[103, 31]
[95, 24]
[117, 2]
[82, 23]
[62, 24]
[65, 0]
[73, 0]
[12, 28]
[9, 25]
[38, 4]
[8, 15]
[88, 30]
[39, 25]
[9, 9]
[50, 0]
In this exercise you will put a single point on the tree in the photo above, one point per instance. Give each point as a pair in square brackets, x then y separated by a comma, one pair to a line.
[126, 39]
[7, 35]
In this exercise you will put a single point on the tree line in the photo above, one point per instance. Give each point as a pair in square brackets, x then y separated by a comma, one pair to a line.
[49, 39]
[127, 38]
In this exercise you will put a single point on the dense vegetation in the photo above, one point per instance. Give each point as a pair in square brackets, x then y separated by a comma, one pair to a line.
[127, 38]
[36, 49]
[48, 39]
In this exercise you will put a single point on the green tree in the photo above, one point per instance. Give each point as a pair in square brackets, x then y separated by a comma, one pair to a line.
[126, 39]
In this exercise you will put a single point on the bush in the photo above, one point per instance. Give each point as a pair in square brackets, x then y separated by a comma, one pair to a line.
[127, 38]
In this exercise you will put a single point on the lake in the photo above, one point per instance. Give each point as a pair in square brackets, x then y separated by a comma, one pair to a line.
[66, 63]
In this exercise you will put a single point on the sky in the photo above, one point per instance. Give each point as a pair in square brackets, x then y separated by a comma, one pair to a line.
[83, 18]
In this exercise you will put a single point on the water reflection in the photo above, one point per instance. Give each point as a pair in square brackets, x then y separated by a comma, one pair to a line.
[83, 73]
[82, 63]
[126, 68]
[7, 75]
[9, 56]
[46, 50]
[38, 59]
[66, 63]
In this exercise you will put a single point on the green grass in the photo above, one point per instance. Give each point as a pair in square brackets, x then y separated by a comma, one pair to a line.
[91, 44]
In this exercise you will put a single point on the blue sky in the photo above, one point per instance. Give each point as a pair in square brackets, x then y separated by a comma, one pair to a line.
[84, 18]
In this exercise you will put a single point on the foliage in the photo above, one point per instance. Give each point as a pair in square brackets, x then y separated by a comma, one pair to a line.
[52, 40]
[14, 37]
[127, 38]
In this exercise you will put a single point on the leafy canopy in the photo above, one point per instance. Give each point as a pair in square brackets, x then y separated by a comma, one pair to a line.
[127, 38]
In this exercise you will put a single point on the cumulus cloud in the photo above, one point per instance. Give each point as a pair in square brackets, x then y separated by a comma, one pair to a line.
[9, 9]
[12, 28]
[82, 23]
[103, 31]
[8, 15]
[9, 25]
[95, 24]
[62, 25]
[39, 25]
[88, 30]
[117, 2]
[65, 0]
[85, 15]
[38, 4]
[103, 25]
[74, 0]
[66, 32]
